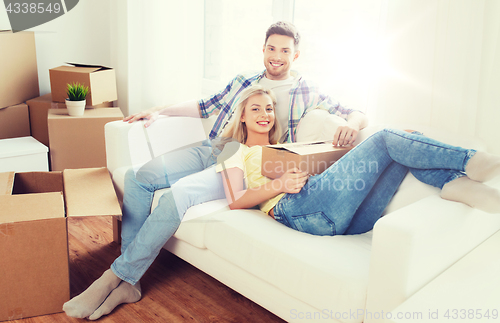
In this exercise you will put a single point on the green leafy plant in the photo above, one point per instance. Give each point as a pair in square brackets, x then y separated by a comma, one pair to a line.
[77, 92]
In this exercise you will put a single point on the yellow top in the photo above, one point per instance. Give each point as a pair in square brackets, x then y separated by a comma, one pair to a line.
[249, 160]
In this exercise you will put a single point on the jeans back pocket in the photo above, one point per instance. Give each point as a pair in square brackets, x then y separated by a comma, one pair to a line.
[314, 223]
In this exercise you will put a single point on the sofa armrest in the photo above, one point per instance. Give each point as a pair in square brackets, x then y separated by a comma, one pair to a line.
[415, 244]
[117, 150]
[131, 144]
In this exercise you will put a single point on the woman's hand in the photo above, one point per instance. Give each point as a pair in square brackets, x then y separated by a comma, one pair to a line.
[292, 181]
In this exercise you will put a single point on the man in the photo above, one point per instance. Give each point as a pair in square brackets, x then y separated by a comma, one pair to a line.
[144, 234]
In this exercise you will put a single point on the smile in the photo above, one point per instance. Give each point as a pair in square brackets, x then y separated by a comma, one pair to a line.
[276, 64]
[263, 123]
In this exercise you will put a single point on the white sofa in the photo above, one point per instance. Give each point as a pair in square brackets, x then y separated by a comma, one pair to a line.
[301, 277]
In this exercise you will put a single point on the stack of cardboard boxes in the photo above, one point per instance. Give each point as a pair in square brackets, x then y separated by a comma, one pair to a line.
[18, 83]
[75, 142]
[34, 272]
[72, 142]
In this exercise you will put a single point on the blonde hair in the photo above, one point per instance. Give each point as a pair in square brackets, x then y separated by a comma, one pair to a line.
[237, 129]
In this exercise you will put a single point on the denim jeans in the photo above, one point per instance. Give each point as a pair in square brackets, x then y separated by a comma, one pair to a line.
[350, 196]
[191, 175]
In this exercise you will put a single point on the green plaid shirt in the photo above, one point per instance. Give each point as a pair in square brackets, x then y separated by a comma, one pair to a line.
[304, 96]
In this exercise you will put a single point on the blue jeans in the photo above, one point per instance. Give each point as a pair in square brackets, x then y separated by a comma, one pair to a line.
[191, 175]
[350, 196]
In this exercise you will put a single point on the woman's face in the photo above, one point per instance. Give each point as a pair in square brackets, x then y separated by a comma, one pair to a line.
[259, 114]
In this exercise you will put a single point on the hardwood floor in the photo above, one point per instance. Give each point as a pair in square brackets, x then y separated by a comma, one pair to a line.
[173, 290]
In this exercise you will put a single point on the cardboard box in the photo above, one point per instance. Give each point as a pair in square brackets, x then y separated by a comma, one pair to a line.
[34, 276]
[14, 121]
[18, 69]
[23, 154]
[78, 142]
[101, 81]
[39, 109]
[310, 157]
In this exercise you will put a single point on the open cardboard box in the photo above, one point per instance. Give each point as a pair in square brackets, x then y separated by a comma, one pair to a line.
[34, 275]
[310, 157]
[101, 81]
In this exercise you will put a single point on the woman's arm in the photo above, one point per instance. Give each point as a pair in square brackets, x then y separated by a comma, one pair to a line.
[240, 198]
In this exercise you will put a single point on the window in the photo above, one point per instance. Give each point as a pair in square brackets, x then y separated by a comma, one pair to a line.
[234, 37]
[340, 47]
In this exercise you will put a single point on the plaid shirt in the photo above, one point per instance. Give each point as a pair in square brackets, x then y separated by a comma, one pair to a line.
[304, 97]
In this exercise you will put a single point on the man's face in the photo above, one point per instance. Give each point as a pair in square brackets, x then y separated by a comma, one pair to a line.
[279, 54]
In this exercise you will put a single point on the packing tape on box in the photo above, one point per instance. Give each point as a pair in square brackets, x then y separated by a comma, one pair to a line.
[6, 229]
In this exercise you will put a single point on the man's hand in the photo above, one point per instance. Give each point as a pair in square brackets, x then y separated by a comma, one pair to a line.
[183, 109]
[150, 115]
[345, 135]
[292, 180]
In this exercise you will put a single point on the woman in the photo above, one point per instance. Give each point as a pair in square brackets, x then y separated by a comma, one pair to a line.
[348, 197]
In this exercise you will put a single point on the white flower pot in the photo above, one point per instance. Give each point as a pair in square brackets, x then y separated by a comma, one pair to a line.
[75, 108]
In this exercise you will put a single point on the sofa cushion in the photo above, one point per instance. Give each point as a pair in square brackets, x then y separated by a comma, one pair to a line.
[337, 267]
[318, 125]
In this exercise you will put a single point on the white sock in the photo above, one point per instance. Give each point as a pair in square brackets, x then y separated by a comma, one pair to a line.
[472, 193]
[124, 293]
[483, 166]
[87, 302]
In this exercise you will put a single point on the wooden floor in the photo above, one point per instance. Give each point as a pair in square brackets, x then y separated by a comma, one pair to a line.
[173, 290]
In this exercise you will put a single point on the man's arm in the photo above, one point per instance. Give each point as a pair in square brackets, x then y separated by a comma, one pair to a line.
[186, 109]
[346, 135]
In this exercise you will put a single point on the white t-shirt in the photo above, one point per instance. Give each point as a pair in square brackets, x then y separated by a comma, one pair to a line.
[282, 91]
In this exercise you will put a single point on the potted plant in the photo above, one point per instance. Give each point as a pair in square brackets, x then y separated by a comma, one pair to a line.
[75, 103]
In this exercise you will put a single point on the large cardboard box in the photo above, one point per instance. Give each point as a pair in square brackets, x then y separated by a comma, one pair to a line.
[78, 142]
[101, 81]
[34, 277]
[18, 69]
[14, 121]
[310, 157]
[39, 109]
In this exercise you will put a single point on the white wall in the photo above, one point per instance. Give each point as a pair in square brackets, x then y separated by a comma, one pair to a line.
[444, 66]
[488, 118]
[164, 49]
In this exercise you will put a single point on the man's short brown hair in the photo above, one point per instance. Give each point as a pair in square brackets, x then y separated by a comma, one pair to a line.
[286, 29]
